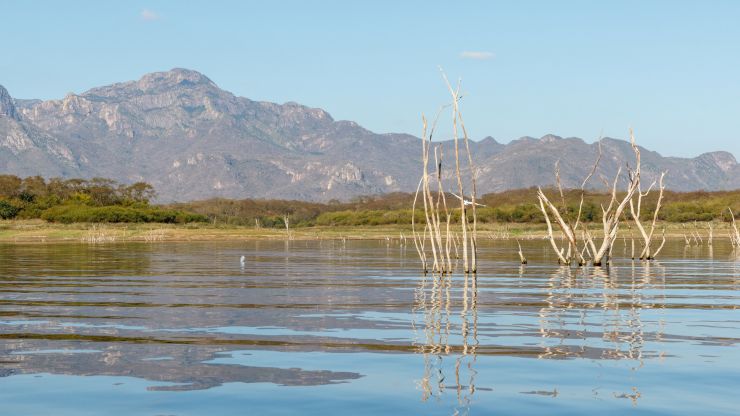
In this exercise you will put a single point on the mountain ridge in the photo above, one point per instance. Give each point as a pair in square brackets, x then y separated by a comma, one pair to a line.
[192, 140]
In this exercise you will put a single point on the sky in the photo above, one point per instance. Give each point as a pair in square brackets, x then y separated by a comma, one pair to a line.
[668, 69]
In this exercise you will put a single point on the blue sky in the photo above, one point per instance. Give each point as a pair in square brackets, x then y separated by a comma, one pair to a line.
[670, 69]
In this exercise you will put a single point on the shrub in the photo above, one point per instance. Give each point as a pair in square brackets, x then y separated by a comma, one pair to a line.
[82, 213]
[8, 210]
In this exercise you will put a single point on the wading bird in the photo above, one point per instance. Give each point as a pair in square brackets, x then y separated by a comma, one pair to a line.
[468, 202]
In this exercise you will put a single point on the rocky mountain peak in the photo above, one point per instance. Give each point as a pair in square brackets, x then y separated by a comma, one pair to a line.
[549, 138]
[724, 160]
[7, 106]
[154, 83]
[489, 140]
[192, 140]
[177, 77]
[299, 112]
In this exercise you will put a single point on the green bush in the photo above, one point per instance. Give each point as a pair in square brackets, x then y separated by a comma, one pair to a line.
[104, 200]
[370, 217]
[83, 213]
[8, 210]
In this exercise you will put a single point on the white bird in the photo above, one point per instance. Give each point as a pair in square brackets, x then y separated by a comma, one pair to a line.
[468, 202]
[243, 261]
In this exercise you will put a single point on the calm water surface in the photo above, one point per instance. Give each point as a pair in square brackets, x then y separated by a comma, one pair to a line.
[328, 327]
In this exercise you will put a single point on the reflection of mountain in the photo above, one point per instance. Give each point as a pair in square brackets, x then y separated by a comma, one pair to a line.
[184, 366]
[188, 302]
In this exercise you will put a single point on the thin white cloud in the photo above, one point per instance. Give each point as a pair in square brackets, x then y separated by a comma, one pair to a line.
[148, 15]
[476, 55]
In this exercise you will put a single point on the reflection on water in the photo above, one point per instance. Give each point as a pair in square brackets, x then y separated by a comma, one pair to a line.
[180, 367]
[354, 325]
[434, 304]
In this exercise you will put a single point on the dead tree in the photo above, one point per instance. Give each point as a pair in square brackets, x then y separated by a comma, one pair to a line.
[635, 210]
[437, 233]
[613, 212]
[286, 221]
[439, 244]
[418, 238]
[734, 238]
[522, 259]
[470, 264]
[568, 228]
[610, 217]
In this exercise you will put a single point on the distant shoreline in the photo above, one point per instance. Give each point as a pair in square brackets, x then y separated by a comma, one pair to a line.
[38, 231]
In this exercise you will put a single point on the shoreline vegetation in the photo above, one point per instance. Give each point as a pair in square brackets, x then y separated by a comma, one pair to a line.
[35, 209]
[40, 231]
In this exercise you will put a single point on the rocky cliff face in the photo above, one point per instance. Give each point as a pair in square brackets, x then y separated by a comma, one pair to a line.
[7, 105]
[192, 140]
[26, 150]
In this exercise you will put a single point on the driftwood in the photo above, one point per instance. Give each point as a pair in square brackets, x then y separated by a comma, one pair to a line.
[521, 255]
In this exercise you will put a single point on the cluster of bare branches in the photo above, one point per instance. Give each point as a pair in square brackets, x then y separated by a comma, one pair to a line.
[436, 236]
[694, 235]
[436, 211]
[568, 228]
[635, 208]
[585, 248]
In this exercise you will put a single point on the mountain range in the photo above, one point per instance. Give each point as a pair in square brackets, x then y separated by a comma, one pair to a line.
[192, 140]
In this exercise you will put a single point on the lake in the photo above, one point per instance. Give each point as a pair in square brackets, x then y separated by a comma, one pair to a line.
[333, 327]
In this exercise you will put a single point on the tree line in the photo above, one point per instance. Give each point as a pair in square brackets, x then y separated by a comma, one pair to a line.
[83, 200]
[515, 206]
[105, 200]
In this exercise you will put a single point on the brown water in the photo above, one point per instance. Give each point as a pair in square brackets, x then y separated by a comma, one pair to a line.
[326, 327]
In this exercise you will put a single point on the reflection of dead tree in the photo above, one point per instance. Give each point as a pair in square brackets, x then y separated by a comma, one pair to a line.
[623, 328]
[436, 333]
[552, 317]
[436, 304]
[635, 209]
